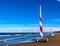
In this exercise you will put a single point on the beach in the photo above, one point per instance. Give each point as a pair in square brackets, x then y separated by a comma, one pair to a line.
[53, 41]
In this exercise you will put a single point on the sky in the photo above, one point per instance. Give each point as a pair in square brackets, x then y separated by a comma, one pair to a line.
[25, 13]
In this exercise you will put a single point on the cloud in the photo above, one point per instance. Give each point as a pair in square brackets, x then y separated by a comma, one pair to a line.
[19, 28]
[19, 25]
[51, 29]
[25, 28]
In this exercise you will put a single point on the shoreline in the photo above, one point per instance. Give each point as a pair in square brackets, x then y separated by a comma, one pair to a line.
[53, 41]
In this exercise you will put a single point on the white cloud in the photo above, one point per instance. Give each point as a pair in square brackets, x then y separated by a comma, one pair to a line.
[17, 25]
[19, 28]
[51, 29]
[27, 29]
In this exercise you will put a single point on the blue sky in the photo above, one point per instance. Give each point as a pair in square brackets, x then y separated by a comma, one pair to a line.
[27, 12]
[16, 13]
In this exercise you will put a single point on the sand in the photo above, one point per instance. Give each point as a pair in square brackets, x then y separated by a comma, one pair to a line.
[53, 41]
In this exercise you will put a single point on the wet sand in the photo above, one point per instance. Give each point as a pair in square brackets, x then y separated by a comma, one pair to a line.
[53, 41]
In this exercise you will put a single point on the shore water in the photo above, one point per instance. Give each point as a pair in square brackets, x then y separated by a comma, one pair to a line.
[53, 41]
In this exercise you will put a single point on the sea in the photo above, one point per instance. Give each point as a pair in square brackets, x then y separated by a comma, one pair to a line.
[14, 38]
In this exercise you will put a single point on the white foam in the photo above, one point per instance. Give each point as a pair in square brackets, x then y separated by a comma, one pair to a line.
[5, 35]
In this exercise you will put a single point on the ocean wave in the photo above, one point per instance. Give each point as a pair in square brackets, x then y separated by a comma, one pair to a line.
[4, 35]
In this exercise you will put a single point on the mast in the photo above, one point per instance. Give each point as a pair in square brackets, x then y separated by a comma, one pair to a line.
[41, 28]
